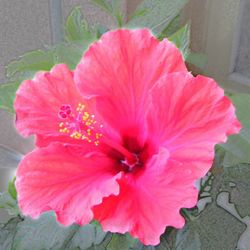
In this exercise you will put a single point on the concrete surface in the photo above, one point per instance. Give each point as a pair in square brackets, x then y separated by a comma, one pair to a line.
[24, 26]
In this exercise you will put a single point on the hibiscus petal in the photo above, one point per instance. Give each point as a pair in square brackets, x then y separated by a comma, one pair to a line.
[38, 102]
[120, 69]
[188, 116]
[62, 179]
[150, 201]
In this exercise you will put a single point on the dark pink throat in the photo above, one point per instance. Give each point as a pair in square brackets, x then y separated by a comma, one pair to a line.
[131, 166]
[126, 158]
[130, 155]
[78, 123]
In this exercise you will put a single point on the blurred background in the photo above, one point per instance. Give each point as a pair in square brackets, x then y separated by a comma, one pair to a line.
[219, 30]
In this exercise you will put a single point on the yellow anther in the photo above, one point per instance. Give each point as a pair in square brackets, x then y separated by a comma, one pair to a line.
[85, 116]
[80, 107]
[77, 135]
[88, 123]
[80, 126]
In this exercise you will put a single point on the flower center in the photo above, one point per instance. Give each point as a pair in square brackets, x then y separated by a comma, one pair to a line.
[129, 166]
[79, 124]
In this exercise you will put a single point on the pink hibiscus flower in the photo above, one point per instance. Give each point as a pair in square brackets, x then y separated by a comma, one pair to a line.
[122, 139]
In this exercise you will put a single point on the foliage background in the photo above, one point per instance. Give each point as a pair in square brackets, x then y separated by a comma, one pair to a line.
[221, 217]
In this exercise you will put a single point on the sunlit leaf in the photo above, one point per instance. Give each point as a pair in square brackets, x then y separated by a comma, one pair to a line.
[7, 95]
[8, 203]
[160, 14]
[100, 30]
[12, 189]
[76, 28]
[119, 18]
[113, 9]
[181, 39]
[171, 28]
[69, 54]
[31, 62]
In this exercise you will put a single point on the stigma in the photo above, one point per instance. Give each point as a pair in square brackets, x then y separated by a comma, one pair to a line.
[79, 124]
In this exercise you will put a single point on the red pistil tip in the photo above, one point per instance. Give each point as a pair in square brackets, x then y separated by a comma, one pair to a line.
[79, 124]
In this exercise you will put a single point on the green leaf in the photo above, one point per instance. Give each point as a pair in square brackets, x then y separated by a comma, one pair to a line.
[160, 14]
[237, 149]
[85, 237]
[69, 53]
[171, 28]
[7, 95]
[237, 181]
[8, 203]
[242, 102]
[113, 9]
[164, 244]
[31, 62]
[103, 245]
[100, 30]
[119, 18]
[238, 146]
[7, 233]
[181, 39]
[121, 242]
[76, 28]
[197, 59]
[46, 233]
[214, 228]
[218, 226]
[103, 5]
[12, 189]
[138, 13]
